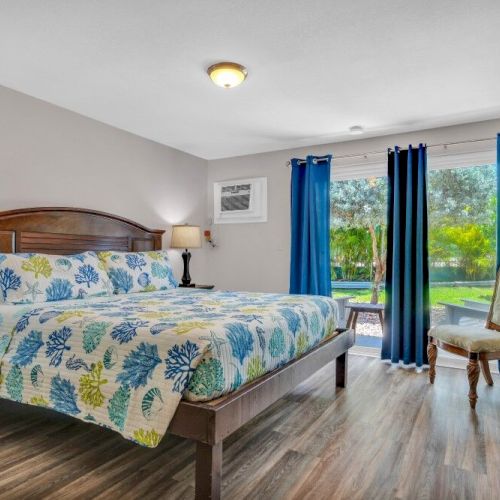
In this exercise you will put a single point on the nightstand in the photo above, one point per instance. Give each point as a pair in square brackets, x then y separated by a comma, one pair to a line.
[193, 285]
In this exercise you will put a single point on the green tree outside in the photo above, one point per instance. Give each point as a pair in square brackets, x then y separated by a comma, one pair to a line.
[359, 206]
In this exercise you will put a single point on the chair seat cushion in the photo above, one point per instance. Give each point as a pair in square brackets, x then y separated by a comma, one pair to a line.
[470, 338]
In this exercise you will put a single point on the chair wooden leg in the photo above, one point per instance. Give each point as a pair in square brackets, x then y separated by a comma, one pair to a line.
[432, 355]
[473, 371]
[349, 319]
[354, 321]
[381, 318]
[208, 471]
[485, 368]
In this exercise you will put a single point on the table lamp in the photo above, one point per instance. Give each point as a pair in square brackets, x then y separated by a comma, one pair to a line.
[186, 236]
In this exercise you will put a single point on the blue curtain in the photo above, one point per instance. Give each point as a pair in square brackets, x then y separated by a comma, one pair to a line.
[407, 317]
[310, 253]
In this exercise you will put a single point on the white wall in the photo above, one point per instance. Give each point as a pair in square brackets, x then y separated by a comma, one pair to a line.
[53, 157]
[256, 257]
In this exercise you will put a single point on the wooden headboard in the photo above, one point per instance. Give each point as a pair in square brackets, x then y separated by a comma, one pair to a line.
[60, 230]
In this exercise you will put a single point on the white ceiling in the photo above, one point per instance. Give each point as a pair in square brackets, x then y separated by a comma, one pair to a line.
[316, 67]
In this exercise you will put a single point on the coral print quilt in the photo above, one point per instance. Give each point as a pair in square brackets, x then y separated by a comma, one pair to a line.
[125, 362]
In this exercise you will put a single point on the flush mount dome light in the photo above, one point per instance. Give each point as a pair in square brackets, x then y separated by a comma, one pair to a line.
[356, 130]
[227, 74]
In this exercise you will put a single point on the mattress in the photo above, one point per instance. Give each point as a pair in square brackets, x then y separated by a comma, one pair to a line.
[125, 362]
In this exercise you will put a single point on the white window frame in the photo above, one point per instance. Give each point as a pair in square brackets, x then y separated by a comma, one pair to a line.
[443, 157]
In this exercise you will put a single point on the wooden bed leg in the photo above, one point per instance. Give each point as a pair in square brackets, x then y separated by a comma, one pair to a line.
[341, 370]
[473, 371]
[208, 471]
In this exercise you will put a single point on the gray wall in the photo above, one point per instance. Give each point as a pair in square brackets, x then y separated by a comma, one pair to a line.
[256, 257]
[53, 157]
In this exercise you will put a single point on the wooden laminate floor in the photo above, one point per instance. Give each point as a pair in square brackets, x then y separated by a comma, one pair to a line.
[388, 435]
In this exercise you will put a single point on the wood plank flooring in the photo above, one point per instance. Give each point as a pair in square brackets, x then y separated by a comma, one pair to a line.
[388, 435]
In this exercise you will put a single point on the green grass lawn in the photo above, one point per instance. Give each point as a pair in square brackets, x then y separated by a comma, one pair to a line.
[451, 294]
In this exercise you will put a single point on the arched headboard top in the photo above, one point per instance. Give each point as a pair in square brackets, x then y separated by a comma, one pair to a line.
[63, 230]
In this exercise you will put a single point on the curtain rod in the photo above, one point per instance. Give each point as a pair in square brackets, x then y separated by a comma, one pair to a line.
[364, 155]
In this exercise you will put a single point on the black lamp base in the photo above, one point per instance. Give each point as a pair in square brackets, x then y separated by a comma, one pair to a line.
[186, 278]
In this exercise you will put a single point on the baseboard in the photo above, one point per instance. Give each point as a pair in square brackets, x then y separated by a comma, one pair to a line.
[452, 361]
[444, 358]
[359, 350]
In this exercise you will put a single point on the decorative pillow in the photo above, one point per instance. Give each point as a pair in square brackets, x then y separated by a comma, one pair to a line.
[138, 271]
[27, 278]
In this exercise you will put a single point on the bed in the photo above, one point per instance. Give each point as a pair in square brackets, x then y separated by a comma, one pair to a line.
[229, 383]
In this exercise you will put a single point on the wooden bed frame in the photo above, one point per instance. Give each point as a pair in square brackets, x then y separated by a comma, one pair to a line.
[72, 230]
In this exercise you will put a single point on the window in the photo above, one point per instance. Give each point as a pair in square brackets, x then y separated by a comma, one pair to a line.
[462, 220]
[358, 245]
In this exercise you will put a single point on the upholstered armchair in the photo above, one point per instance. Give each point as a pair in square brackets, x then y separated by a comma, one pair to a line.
[478, 344]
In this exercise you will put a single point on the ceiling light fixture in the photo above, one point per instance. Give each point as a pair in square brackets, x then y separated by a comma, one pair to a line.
[356, 130]
[227, 74]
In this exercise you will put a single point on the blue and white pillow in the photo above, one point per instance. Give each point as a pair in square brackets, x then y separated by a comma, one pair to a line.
[132, 272]
[27, 278]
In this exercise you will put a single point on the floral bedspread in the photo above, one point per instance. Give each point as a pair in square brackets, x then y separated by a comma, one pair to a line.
[124, 362]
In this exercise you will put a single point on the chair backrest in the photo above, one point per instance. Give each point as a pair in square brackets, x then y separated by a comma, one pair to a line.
[493, 321]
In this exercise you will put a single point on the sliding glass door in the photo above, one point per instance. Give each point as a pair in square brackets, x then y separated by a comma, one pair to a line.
[358, 247]
[462, 220]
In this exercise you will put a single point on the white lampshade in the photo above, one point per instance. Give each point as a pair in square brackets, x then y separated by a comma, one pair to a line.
[186, 236]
